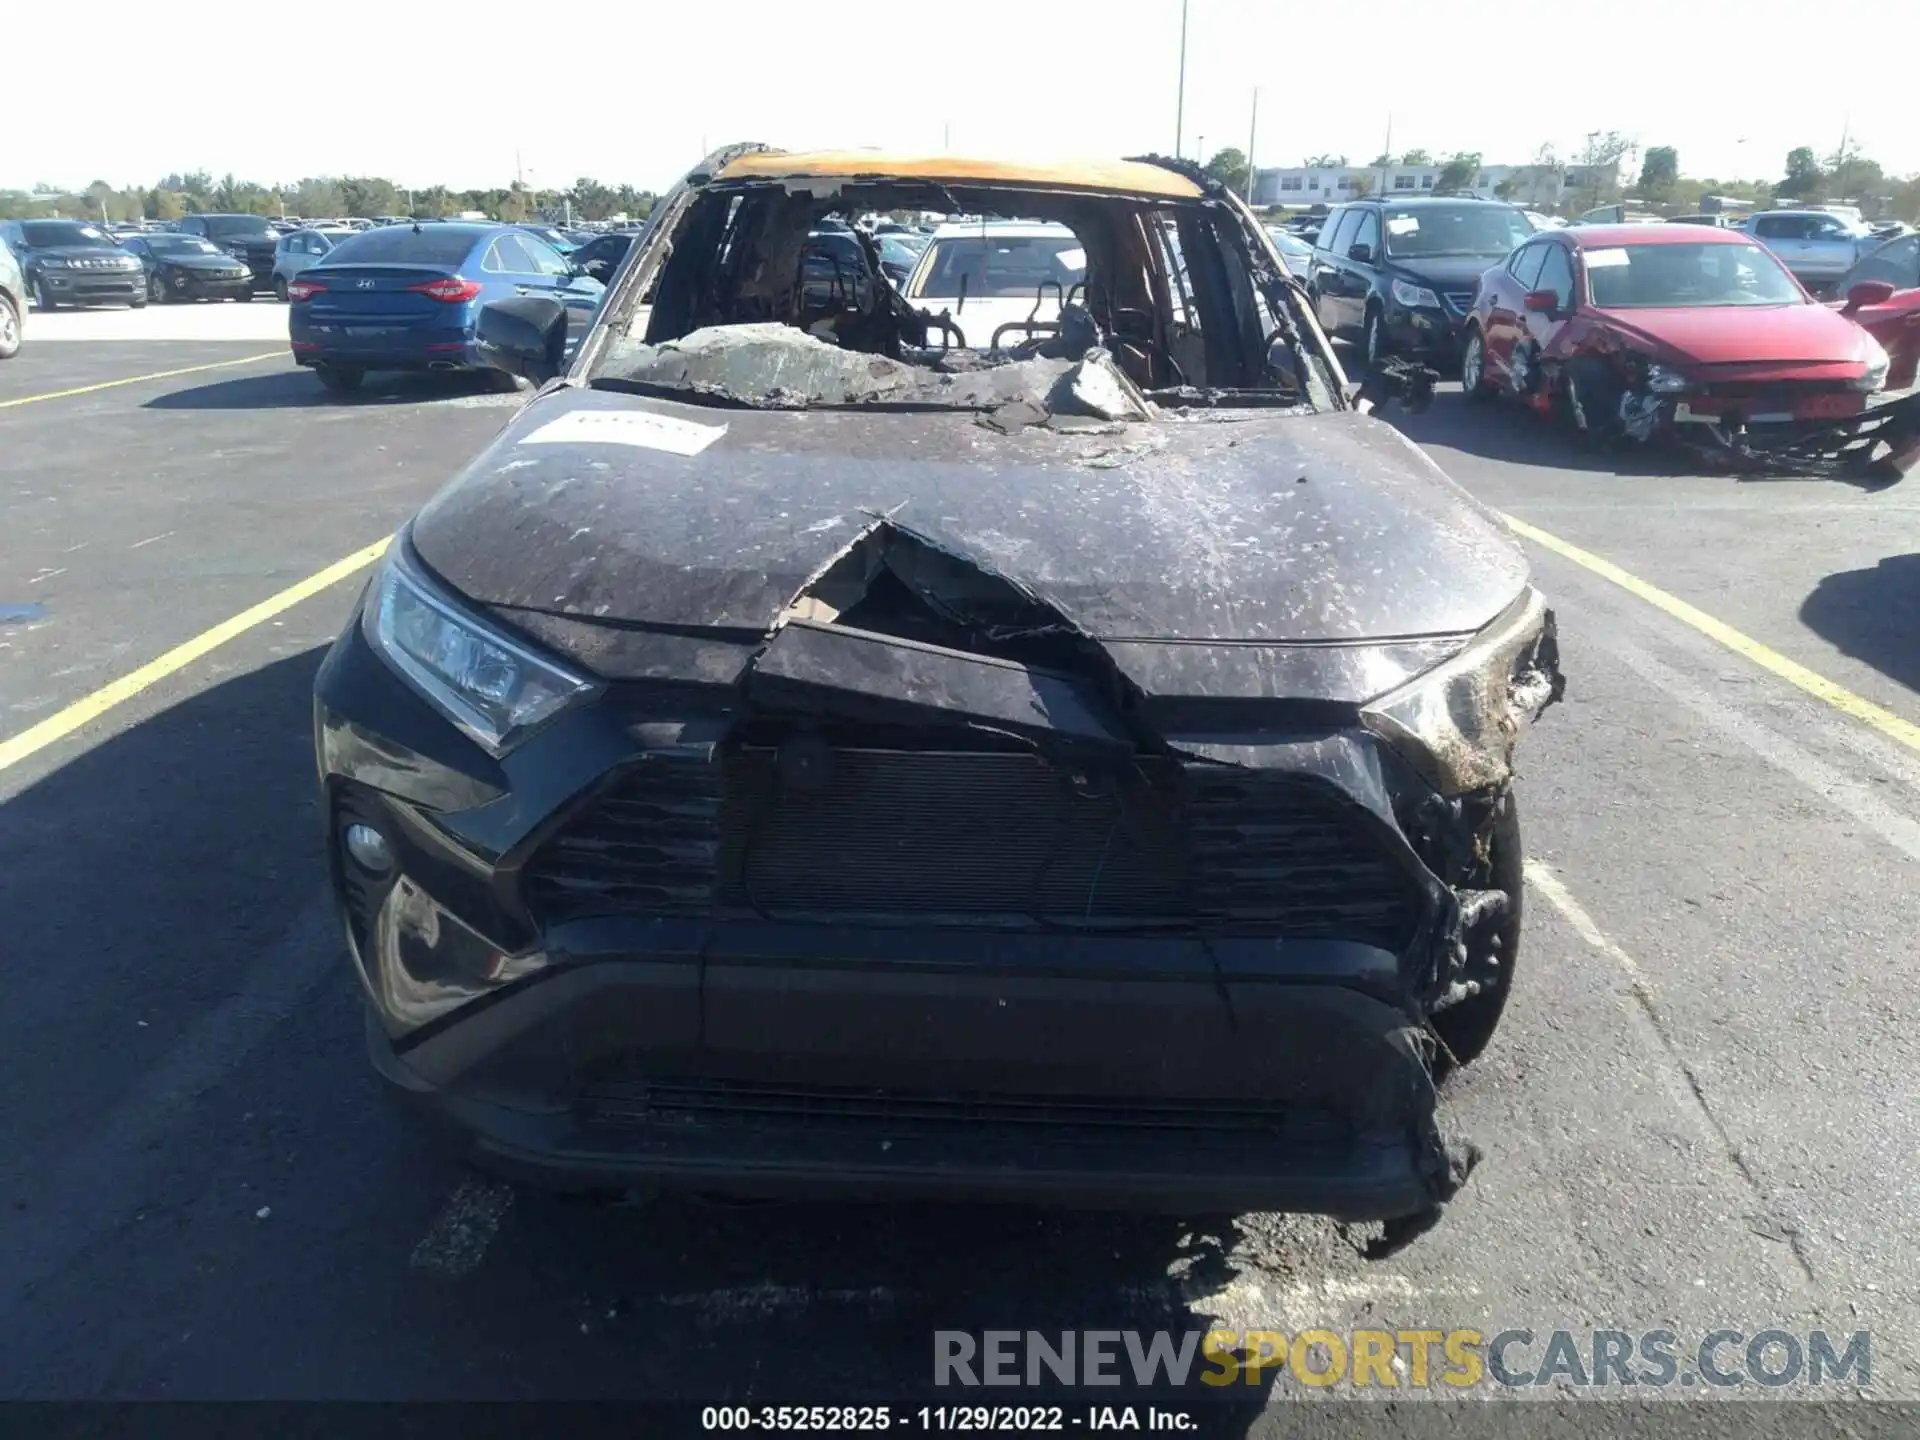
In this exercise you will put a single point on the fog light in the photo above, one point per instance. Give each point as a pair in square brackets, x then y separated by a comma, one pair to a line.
[369, 849]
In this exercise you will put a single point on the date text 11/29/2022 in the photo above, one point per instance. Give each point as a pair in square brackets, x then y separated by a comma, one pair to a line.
[976, 1419]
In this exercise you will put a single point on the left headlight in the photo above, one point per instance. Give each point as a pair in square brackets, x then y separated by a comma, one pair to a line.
[1876, 360]
[492, 686]
[1458, 722]
[1665, 380]
[1415, 296]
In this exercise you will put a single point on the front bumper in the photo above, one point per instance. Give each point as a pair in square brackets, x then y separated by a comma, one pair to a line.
[760, 1053]
[1426, 333]
[1883, 432]
[91, 287]
[259, 266]
[186, 285]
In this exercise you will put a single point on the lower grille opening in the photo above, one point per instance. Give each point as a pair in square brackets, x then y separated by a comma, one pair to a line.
[683, 1103]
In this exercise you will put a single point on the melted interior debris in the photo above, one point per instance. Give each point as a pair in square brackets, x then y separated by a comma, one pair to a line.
[776, 367]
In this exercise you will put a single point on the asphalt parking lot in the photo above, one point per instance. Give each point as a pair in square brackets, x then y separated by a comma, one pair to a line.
[1701, 1110]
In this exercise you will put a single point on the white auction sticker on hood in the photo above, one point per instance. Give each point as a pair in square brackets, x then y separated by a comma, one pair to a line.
[626, 427]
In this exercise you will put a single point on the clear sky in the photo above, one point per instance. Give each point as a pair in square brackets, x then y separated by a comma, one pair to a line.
[630, 90]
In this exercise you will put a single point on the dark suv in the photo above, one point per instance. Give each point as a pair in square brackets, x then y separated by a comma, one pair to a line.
[245, 237]
[72, 262]
[1400, 275]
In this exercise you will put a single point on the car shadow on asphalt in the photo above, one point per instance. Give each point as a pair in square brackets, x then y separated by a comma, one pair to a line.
[148, 872]
[1872, 615]
[861, 1294]
[300, 389]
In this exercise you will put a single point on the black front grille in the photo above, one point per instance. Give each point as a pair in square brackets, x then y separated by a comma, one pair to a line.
[958, 833]
[971, 837]
[1461, 300]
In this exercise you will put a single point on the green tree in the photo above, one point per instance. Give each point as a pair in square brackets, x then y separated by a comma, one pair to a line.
[1659, 172]
[515, 207]
[1326, 162]
[1416, 157]
[1804, 176]
[318, 197]
[1460, 172]
[1851, 175]
[591, 199]
[1383, 159]
[1362, 185]
[1229, 167]
[164, 204]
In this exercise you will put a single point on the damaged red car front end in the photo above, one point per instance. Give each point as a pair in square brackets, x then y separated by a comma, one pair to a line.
[1637, 333]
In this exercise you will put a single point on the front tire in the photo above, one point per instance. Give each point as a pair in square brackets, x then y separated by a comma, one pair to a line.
[340, 379]
[280, 289]
[156, 290]
[246, 294]
[1373, 339]
[9, 328]
[42, 300]
[1467, 1028]
[1473, 367]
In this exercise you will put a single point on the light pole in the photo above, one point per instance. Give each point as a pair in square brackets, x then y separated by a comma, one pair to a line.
[1253, 128]
[1180, 98]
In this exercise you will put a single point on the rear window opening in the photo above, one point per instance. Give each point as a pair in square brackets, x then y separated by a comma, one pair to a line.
[403, 245]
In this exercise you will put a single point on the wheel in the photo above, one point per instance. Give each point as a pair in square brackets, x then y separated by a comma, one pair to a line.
[1466, 1028]
[340, 379]
[1473, 368]
[246, 294]
[156, 289]
[280, 289]
[137, 302]
[501, 383]
[1374, 340]
[9, 328]
[41, 299]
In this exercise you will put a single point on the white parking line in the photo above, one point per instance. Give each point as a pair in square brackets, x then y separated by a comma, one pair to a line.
[1575, 914]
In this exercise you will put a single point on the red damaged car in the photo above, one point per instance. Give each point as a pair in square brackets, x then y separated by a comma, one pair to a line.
[1632, 332]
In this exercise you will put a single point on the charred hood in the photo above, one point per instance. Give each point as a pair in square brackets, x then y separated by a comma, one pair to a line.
[1232, 553]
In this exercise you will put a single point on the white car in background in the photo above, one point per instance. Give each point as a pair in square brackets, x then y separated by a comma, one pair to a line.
[991, 274]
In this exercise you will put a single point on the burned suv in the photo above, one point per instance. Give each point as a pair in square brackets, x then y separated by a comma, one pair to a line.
[809, 752]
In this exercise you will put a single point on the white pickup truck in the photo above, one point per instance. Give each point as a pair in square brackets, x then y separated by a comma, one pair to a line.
[1816, 245]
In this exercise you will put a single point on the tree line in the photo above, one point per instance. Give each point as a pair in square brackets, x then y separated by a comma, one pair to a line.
[1846, 174]
[319, 197]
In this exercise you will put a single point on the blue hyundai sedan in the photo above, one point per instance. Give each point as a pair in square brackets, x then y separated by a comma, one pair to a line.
[405, 297]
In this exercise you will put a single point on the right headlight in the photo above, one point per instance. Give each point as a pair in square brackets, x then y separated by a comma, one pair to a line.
[491, 685]
[1458, 722]
[1415, 297]
[1875, 357]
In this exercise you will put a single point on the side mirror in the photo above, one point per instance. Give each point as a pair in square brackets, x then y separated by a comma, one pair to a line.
[1867, 292]
[1361, 253]
[1542, 302]
[525, 336]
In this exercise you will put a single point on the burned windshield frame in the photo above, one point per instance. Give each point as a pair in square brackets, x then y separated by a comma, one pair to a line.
[720, 254]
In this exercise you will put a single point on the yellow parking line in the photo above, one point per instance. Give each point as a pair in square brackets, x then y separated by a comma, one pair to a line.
[1818, 686]
[136, 379]
[58, 726]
